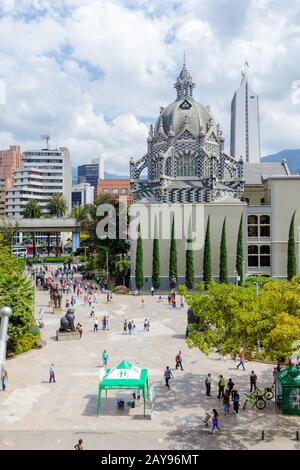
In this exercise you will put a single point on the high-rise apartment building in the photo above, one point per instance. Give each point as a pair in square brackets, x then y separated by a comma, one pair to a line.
[10, 160]
[91, 173]
[245, 133]
[43, 173]
[82, 194]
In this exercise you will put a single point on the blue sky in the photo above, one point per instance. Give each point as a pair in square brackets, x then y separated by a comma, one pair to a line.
[94, 73]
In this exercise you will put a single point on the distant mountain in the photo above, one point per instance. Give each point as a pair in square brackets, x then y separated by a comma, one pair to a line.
[292, 157]
[107, 176]
[114, 176]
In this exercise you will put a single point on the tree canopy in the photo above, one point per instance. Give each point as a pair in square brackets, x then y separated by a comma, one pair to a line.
[237, 318]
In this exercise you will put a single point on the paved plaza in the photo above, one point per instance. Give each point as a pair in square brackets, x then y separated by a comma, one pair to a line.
[37, 415]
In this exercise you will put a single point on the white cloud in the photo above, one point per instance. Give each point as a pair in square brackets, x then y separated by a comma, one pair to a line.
[92, 72]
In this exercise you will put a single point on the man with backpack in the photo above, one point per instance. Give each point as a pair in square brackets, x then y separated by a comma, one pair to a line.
[178, 361]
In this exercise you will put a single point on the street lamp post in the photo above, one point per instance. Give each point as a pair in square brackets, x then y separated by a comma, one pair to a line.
[106, 249]
[5, 313]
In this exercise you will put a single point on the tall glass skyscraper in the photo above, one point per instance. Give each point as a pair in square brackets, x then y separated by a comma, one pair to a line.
[245, 135]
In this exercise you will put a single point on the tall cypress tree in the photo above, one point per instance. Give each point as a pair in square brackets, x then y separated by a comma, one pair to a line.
[240, 252]
[189, 262]
[155, 259]
[173, 254]
[207, 255]
[223, 256]
[139, 273]
[291, 259]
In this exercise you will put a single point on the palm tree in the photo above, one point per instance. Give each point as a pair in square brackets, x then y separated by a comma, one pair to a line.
[122, 269]
[57, 207]
[32, 210]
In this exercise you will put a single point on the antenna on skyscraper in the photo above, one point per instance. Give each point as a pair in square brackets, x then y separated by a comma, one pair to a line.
[46, 138]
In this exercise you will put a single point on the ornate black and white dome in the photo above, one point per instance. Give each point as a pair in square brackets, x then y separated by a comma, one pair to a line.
[185, 161]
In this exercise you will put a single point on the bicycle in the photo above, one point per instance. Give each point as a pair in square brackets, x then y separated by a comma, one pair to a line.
[265, 393]
[256, 401]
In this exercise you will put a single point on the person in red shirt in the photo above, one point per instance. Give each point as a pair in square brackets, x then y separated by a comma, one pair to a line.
[242, 361]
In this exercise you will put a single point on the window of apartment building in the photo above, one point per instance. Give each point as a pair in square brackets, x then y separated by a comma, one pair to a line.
[106, 190]
[115, 191]
[259, 226]
[124, 191]
[259, 256]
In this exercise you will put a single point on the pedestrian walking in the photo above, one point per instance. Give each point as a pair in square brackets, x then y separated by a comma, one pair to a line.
[215, 422]
[168, 375]
[107, 322]
[133, 327]
[129, 327]
[253, 380]
[107, 297]
[142, 302]
[73, 300]
[95, 297]
[148, 325]
[236, 400]
[4, 379]
[181, 302]
[92, 312]
[51, 373]
[187, 330]
[242, 361]
[178, 360]
[152, 291]
[104, 358]
[79, 445]
[96, 324]
[145, 324]
[230, 386]
[110, 298]
[67, 303]
[208, 385]
[226, 401]
[41, 314]
[221, 385]
[125, 327]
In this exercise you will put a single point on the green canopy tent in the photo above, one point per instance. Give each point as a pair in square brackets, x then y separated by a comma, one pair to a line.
[288, 390]
[124, 377]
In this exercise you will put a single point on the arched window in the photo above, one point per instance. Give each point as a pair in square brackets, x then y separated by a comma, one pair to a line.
[186, 165]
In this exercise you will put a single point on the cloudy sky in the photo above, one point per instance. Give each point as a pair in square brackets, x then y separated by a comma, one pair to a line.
[93, 73]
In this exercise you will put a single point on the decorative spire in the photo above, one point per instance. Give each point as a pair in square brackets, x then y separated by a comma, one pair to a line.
[184, 84]
[150, 135]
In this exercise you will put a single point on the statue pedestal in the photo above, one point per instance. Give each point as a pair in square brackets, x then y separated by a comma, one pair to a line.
[67, 335]
[58, 310]
[51, 304]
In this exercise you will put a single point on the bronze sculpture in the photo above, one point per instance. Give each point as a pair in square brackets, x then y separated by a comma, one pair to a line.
[67, 321]
[56, 295]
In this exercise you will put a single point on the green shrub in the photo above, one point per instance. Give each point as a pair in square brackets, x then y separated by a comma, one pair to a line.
[25, 343]
[34, 330]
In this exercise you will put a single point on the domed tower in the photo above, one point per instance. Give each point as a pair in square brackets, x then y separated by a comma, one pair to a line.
[185, 160]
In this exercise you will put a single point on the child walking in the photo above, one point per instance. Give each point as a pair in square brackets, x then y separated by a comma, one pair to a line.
[215, 421]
